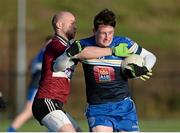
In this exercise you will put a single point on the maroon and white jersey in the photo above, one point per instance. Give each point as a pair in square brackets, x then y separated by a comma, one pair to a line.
[54, 85]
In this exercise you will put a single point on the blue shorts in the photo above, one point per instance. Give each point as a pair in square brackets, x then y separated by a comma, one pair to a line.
[31, 94]
[121, 116]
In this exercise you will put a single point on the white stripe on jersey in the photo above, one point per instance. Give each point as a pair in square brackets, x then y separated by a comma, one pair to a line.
[133, 48]
[106, 62]
[59, 74]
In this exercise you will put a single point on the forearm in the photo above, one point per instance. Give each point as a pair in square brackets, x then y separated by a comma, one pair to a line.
[92, 52]
[150, 59]
[61, 62]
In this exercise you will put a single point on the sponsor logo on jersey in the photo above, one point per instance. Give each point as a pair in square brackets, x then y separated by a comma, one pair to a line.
[103, 74]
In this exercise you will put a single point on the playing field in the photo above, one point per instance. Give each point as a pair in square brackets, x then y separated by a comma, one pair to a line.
[145, 125]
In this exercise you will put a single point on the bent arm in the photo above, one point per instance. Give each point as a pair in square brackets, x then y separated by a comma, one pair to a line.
[93, 52]
[150, 58]
[64, 61]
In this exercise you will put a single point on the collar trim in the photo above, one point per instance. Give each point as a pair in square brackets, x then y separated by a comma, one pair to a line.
[62, 40]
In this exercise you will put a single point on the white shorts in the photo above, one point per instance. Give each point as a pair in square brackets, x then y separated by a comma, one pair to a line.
[55, 120]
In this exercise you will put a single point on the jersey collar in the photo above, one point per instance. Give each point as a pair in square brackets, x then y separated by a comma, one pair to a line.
[62, 39]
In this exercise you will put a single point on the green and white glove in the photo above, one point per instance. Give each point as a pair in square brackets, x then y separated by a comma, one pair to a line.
[136, 71]
[146, 76]
[74, 49]
[121, 50]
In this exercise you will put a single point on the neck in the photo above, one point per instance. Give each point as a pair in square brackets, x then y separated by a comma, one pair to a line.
[62, 38]
[60, 33]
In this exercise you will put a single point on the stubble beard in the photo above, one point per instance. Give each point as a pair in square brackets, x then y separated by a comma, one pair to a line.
[70, 34]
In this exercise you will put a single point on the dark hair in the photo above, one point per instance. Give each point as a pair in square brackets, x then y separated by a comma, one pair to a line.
[105, 17]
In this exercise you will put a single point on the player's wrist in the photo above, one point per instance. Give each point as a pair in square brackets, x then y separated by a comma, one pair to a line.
[74, 49]
[113, 51]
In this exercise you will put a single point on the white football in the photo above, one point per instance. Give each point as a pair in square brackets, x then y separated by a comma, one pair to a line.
[135, 59]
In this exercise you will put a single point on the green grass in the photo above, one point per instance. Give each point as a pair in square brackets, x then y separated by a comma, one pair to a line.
[166, 125]
[31, 125]
[160, 125]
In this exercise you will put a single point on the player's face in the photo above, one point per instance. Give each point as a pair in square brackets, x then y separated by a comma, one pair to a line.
[69, 27]
[104, 35]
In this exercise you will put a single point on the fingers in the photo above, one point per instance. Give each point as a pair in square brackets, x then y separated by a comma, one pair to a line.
[121, 50]
[142, 78]
[125, 49]
[149, 74]
[128, 51]
[146, 77]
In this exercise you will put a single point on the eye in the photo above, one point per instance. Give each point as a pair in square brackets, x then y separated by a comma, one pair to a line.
[110, 33]
[102, 33]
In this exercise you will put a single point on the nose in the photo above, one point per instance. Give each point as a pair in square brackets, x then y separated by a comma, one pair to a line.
[106, 35]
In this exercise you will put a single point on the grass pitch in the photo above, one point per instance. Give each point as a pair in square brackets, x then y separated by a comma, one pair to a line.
[164, 125]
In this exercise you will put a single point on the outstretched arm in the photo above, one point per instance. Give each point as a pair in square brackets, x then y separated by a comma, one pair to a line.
[93, 52]
[75, 51]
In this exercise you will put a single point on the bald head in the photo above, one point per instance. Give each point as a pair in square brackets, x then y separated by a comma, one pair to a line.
[60, 17]
[64, 23]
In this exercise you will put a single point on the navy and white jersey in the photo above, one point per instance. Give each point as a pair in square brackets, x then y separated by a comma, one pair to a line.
[104, 79]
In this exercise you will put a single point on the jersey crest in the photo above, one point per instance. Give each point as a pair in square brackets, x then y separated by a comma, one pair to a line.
[103, 74]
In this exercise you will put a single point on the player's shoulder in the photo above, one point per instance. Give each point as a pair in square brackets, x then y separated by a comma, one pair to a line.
[122, 39]
[90, 41]
[56, 45]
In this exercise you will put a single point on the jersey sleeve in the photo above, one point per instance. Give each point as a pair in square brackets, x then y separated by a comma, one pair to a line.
[135, 48]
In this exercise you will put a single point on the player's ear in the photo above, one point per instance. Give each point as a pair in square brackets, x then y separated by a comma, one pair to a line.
[59, 25]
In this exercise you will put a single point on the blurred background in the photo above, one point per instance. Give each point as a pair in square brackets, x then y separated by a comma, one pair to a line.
[155, 25]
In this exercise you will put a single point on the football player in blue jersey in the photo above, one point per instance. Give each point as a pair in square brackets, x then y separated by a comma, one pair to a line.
[110, 107]
[35, 68]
